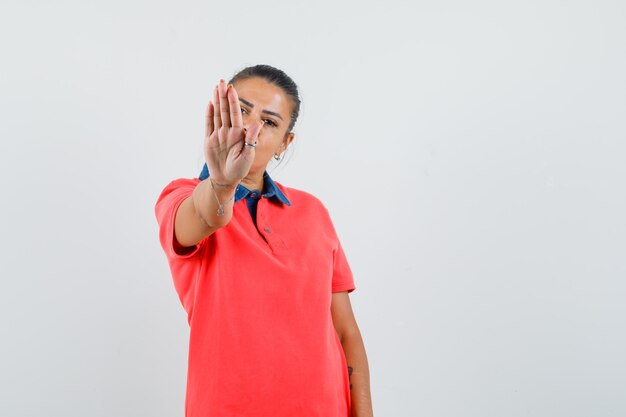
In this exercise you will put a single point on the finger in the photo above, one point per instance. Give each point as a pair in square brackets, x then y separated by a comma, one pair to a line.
[224, 107]
[253, 133]
[248, 152]
[209, 119]
[217, 121]
[235, 109]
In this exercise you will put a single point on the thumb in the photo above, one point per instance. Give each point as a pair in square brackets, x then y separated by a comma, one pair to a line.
[251, 137]
[253, 133]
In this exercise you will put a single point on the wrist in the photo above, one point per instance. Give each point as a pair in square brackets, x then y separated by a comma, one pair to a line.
[223, 184]
[228, 188]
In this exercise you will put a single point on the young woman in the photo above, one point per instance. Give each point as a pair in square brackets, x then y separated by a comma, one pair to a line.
[260, 270]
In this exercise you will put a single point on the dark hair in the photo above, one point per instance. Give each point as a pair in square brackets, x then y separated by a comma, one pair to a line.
[279, 79]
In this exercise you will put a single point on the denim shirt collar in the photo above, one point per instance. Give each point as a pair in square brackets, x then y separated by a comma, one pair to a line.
[270, 189]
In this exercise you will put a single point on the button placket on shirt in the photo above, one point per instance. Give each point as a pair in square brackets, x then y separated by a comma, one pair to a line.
[261, 220]
[265, 228]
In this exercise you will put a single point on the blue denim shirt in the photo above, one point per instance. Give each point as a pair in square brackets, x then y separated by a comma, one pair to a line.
[270, 190]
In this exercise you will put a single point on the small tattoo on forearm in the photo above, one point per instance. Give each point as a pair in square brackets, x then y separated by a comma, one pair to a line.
[350, 374]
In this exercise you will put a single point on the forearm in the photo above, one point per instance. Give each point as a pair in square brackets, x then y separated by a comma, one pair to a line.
[358, 369]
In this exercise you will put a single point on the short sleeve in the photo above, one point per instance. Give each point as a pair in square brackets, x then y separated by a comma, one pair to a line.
[185, 266]
[343, 280]
[165, 209]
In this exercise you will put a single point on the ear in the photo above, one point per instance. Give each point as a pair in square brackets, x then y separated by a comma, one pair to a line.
[288, 139]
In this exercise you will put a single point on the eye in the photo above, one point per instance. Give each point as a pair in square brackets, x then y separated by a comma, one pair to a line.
[242, 109]
[270, 122]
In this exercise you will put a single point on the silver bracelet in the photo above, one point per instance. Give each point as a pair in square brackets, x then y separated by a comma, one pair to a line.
[220, 206]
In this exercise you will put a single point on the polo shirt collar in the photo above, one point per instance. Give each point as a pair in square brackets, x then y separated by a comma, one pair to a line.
[270, 188]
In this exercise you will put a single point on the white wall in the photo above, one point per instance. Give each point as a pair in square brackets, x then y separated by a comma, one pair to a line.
[471, 155]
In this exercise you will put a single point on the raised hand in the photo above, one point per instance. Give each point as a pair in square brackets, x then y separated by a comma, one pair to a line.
[227, 156]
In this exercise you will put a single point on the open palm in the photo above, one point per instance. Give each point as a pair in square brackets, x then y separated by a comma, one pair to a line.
[225, 151]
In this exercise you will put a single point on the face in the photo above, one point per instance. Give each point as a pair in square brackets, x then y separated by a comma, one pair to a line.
[261, 100]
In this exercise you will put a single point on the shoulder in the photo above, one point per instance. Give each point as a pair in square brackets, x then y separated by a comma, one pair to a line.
[307, 208]
[301, 198]
[179, 184]
[176, 190]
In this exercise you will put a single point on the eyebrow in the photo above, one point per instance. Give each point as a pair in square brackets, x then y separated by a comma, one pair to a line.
[247, 103]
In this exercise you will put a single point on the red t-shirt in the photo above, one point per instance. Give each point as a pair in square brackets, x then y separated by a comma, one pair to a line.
[262, 340]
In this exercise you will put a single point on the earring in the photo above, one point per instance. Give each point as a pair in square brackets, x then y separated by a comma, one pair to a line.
[277, 157]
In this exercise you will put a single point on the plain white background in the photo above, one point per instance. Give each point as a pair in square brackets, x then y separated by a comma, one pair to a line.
[471, 155]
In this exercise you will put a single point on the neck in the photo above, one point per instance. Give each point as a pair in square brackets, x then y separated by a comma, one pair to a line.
[253, 181]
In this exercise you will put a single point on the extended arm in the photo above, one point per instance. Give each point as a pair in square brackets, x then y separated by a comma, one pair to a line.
[228, 161]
